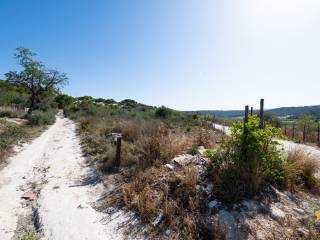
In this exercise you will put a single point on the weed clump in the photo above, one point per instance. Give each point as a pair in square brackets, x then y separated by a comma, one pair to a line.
[300, 169]
[166, 200]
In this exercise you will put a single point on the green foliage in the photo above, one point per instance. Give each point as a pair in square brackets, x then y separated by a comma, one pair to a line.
[64, 100]
[30, 236]
[129, 103]
[308, 122]
[38, 118]
[247, 161]
[163, 112]
[10, 95]
[36, 80]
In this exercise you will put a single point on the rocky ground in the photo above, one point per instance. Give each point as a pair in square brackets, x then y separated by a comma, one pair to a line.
[272, 215]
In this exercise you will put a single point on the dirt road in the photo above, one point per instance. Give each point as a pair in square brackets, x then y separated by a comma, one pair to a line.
[51, 171]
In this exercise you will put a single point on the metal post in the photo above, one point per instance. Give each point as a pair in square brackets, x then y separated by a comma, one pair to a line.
[251, 111]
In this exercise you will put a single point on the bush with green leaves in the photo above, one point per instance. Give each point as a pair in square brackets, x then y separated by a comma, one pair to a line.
[247, 161]
[38, 118]
[163, 112]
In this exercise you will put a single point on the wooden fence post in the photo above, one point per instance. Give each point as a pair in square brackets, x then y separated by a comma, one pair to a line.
[246, 119]
[245, 132]
[318, 135]
[118, 152]
[246, 114]
[304, 133]
[293, 131]
[285, 129]
[261, 113]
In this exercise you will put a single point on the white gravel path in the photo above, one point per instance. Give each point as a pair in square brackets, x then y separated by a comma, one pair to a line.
[63, 205]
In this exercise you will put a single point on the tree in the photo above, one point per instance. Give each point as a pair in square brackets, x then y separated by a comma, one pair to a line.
[64, 100]
[163, 112]
[35, 77]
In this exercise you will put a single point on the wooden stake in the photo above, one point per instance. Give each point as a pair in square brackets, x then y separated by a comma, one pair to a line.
[118, 152]
[246, 114]
[246, 118]
[293, 131]
[318, 136]
[285, 129]
[261, 113]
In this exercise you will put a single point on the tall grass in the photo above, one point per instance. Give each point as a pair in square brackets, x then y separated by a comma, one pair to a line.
[300, 170]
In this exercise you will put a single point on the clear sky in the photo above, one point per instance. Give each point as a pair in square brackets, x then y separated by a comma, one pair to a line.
[184, 54]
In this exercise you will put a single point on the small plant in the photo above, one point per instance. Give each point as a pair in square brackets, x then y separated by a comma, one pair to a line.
[247, 161]
[30, 236]
[38, 118]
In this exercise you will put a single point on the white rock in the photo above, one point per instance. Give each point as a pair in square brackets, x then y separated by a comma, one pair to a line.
[171, 167]
[213, 204]
[298, 210]
[184, 159]
[158, 220]
[277, 214]
[209, 188]
[201, 150]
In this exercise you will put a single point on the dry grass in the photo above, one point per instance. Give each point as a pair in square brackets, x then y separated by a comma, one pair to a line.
[174, 194]
[11, 112]
[11, 133]
[300, 169]
[145, 142]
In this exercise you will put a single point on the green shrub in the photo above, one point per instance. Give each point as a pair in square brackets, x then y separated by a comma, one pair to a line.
[247, 161]
[163, 112]
[38, 118]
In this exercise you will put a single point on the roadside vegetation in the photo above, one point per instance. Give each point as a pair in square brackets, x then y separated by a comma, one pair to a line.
[171, 197]
[151, 136]
[13, 133]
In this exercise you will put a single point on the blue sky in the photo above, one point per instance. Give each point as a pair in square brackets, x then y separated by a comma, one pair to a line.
[184, 54]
